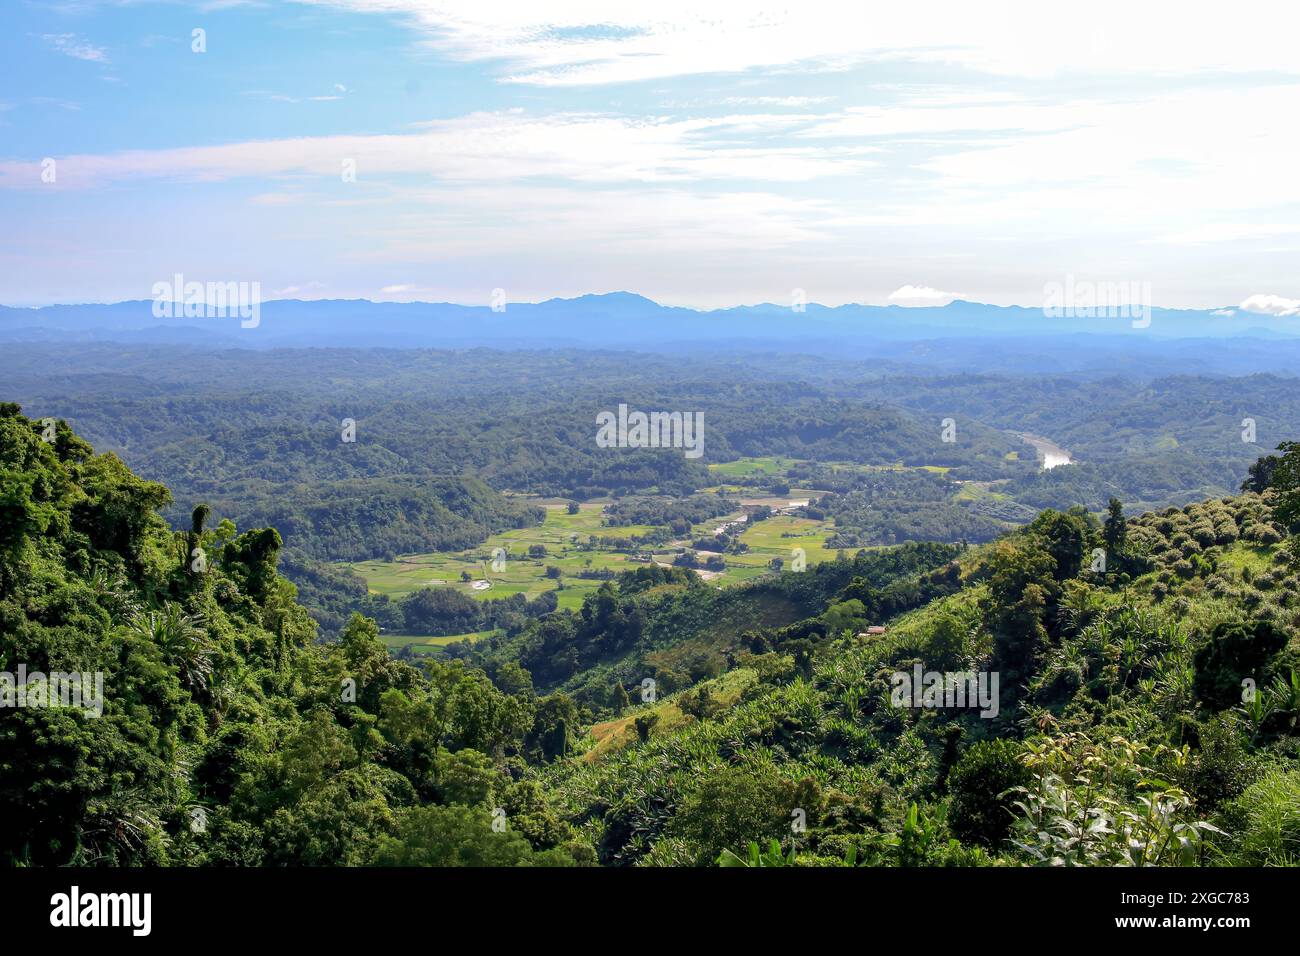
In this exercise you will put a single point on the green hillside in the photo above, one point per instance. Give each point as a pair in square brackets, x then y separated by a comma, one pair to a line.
[1135, 699]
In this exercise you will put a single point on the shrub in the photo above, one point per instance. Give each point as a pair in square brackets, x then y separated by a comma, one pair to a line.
[1236, 650]
[1222, 767]
[733, 806]
[981, 809]
[459, 836]
[1265, 820]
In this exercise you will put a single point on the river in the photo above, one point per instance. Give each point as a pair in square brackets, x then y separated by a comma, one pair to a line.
[1048, 451]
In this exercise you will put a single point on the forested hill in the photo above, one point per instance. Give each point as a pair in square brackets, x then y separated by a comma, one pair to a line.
[441, 434]
[225, 734]
[1146, 710]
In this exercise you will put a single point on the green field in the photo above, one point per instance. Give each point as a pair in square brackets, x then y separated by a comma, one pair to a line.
[897, 466]
[976, 490]
[559, 533]
[562, 534]
[423, 645]
[775, 537]
[769, 466]
[746, 467]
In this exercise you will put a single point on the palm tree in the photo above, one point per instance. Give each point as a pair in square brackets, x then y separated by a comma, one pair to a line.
[114, 593]
[183, 640]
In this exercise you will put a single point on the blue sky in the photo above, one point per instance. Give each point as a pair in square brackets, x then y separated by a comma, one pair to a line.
[706, 159]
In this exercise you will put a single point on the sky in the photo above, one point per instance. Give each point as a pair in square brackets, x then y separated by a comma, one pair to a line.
[701, 154]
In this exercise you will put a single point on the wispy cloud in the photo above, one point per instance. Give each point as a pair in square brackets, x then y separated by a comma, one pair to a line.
[576, 42]
[69, 44]
[592, 148]
[309, 289]
[68, 105]
[734, 153]
[795, 101]
[338, 92]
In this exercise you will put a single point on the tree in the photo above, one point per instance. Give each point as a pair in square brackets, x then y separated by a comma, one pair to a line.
[198, 518]
[1237, 650]
[735, 805]
[1021, 588]
[1064, 537]
[468, 777]
[183, 640]
[644, 724]
[1284, 478]
[459, 836]
[484, 718]
[982, 808]
[513, 679]
[549, 737]
[1260, 475]
[844, 616]
[251, 561]
[1115, 533]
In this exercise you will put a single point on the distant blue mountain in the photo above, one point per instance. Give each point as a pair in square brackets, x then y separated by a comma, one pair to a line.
[616, 320]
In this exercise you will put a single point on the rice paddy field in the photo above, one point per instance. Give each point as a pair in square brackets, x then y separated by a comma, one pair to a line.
[777, 537]
[563, 535]
[422, 645]
[560, 534]
[749, 467]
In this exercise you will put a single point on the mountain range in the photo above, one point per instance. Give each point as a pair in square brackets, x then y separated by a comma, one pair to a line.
[611, 319]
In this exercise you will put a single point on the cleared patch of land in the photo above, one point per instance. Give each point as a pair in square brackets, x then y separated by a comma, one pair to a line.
[1242, 555]
[568, 540]
[613, 735]
[422, 645]
[777, 537]
[583, 543]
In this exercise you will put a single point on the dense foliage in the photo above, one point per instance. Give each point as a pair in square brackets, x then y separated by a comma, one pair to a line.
[1148, 710]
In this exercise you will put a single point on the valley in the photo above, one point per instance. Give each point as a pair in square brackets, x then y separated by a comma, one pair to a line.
[713, 639]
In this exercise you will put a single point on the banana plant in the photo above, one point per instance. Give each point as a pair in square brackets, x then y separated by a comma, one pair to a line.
[772, 856]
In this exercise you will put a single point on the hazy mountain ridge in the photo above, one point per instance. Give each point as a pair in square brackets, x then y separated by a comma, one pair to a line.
[617, 319]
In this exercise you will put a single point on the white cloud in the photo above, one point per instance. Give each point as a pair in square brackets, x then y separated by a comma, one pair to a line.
[800, 101]
[1148, 138]
[920, 295]
[69, 44]
[308, 289]
[1274, 305]
[1233, 232]
[522, 221]
[506, 146]
[577, 42]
